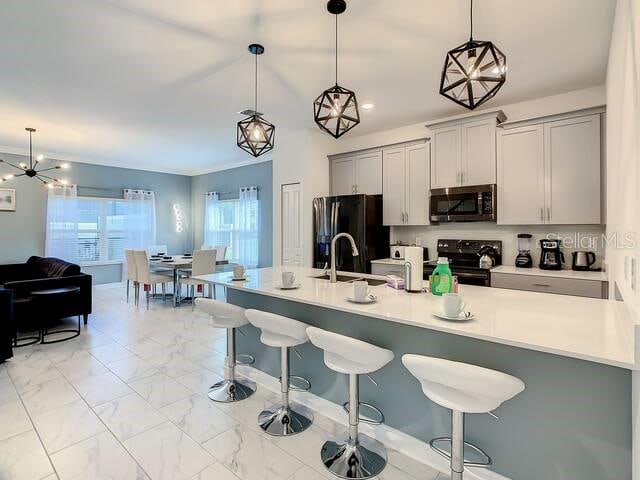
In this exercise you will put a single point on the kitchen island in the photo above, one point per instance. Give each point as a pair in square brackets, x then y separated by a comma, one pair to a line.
[574, 355]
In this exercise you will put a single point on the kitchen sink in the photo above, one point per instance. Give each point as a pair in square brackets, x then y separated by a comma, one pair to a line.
[341, 278]
[347, 278]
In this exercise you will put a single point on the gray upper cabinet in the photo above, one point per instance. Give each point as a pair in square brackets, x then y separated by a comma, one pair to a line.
[464, 150]
[358, 173]
[447, 155]
[549, 171]
[405, 184]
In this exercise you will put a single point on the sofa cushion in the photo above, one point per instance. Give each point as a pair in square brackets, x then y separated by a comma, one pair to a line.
[50, 267]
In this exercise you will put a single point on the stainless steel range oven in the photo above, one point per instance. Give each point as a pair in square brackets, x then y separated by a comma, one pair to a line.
[463, 204]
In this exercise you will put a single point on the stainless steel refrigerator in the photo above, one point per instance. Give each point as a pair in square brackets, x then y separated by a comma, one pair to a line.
[358, 215]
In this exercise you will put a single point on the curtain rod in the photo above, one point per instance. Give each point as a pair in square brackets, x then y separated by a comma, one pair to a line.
[99, 188]
[233, 192]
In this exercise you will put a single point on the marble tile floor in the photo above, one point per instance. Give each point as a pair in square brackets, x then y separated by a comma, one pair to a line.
[127, 400]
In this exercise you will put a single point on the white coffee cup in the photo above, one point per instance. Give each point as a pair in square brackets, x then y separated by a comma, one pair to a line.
[452, 304]
[238, 271]
[288, 278]
[360, 290]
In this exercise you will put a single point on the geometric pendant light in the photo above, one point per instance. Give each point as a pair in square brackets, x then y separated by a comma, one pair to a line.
[31, 169]
[473, 72]
[255, 135]
[336, 109]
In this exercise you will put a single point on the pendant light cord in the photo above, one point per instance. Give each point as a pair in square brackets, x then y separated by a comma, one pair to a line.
[471, 19]
[30, 152]
[336, 15]
[255, 97]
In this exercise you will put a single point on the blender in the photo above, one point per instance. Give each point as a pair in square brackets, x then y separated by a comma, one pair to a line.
[524, 260]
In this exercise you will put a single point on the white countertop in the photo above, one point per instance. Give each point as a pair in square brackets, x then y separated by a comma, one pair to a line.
[571, 274]
[584, 328]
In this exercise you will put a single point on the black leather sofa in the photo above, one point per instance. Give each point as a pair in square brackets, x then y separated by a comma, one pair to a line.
[6, 324]
[44, 274]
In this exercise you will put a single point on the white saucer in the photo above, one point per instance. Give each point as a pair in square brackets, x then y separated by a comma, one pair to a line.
[366, 301]
[234, 279]
[459, 318]
[292, 287]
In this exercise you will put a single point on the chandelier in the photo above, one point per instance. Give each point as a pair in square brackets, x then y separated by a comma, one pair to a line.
[255, 135]
[336, 109]
[34, 169]
[473, 72]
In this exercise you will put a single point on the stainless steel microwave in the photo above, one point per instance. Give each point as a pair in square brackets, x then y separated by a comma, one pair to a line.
[476, 203]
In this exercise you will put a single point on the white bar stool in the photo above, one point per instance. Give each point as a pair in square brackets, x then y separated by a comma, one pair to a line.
[284, 333]
[357, 456]
[462, 388]
[225, 315]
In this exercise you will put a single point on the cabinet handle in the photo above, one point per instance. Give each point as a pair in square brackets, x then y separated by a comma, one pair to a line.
[541, 215]
[548, 215]
[461, 178]
[541, 285]
[406, 217]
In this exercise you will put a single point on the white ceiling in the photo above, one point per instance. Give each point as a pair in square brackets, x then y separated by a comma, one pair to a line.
[156, 84]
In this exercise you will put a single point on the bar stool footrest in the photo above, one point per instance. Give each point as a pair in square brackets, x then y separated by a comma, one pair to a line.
[306, 384]
[245, 359]
[367, 418]
[446, 454]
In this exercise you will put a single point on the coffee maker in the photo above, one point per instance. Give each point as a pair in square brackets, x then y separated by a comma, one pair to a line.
[524, 260]
[551, 258]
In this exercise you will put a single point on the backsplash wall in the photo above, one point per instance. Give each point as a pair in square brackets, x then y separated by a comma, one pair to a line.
[575, 237]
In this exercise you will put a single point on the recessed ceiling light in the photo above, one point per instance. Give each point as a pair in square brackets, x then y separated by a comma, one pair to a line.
[367, 106]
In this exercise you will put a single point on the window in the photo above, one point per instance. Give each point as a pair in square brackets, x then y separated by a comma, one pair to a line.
[96, 230]
[101, 230]
[234, 223]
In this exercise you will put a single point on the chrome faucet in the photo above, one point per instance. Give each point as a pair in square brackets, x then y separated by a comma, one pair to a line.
[354, 251]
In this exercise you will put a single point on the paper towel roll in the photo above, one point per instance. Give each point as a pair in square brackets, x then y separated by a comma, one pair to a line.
[413, 272]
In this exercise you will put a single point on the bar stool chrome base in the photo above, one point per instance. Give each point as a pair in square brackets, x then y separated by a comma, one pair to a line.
[227, 391]
[364, 458]
[284, 420]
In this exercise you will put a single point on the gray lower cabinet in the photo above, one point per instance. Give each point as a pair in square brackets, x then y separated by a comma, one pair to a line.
[558, 285]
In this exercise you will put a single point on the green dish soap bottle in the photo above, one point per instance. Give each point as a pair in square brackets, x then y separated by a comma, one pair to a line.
[441, 278]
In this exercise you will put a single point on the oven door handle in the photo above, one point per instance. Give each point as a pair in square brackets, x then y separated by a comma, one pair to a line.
[470, 275]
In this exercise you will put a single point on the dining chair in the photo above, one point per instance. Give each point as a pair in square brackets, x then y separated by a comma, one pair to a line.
[220, 249]
[221, 253]
[148, 278]
[204, 263]
[132, 274]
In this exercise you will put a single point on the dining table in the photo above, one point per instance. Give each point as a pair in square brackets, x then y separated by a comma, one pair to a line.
[178, 264]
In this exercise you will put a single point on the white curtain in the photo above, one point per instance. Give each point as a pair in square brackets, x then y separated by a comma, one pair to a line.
[140, 220]
[246, 251]
[61, 237]
[213, 234]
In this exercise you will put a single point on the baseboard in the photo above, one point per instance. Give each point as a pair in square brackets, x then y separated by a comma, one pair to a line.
[392, 438]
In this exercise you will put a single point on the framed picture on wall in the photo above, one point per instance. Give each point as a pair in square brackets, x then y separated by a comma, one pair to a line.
[7, 200]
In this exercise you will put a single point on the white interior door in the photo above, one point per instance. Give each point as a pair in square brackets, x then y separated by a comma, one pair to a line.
[291, 200]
